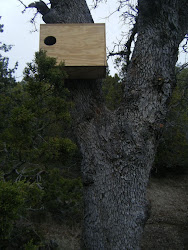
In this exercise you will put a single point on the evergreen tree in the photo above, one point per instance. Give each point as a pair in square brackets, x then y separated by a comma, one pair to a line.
[35, 150]
[172, 153]
[113, 92]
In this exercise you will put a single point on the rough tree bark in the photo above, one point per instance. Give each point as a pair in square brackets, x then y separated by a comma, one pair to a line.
[118, 147]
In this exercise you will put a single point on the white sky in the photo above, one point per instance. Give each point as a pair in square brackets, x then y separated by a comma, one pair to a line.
[17, 30]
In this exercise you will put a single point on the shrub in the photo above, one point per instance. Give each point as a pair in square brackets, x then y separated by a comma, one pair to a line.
[11, 205]
[62, 196]
[15, 198]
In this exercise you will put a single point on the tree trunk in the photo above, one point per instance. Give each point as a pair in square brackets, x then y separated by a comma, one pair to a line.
[119, 147]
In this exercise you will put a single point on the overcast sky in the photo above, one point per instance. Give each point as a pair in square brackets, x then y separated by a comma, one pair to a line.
[18, 30]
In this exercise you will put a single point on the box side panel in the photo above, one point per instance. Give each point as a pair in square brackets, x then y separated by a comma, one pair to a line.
[76, 44]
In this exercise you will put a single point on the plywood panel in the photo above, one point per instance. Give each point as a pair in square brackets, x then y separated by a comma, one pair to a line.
[76, 44]
[86, 72]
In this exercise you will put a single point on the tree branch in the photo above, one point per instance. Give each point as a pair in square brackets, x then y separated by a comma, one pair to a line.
[127, 51]
[41, 7]
[14, 169]
[120, 53]
[185, 65]
[22, 3]
[185, 45]
[129, 42]
[25, 7]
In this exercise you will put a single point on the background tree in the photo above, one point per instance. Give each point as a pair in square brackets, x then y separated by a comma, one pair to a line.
[119, 147]
[172, 153]
[112, 90]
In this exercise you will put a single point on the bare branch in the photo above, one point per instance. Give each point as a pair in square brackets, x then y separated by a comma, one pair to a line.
[41, 7]
[185, 46]
[129, 42]
[96, 2]
[36, 209]
[25, 7]
[22, 3]
[120, 53]
[14, 169]
[38, 176]
[185, 65]
[33, 21]
[126, 52]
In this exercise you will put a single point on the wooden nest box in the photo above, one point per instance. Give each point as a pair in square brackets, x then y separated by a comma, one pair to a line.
[81, 46]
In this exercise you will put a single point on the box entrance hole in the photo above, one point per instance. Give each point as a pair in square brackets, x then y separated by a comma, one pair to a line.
[50, 40]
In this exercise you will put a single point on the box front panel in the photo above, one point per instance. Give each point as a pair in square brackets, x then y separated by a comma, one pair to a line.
[76, 44]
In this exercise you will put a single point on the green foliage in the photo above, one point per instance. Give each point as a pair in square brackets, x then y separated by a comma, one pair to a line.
[112, 90]
[11, 204]
[36, 115]
[35, 151]
[63, 197]
[31, 246]
[15, 198]
[6, 74]
[173, 149]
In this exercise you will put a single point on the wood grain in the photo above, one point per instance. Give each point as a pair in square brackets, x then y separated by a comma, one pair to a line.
[76, 44]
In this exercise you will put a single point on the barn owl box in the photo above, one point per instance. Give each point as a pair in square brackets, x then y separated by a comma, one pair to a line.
[81, 46]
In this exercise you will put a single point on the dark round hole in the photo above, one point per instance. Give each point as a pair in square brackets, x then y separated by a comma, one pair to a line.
[50, 40]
